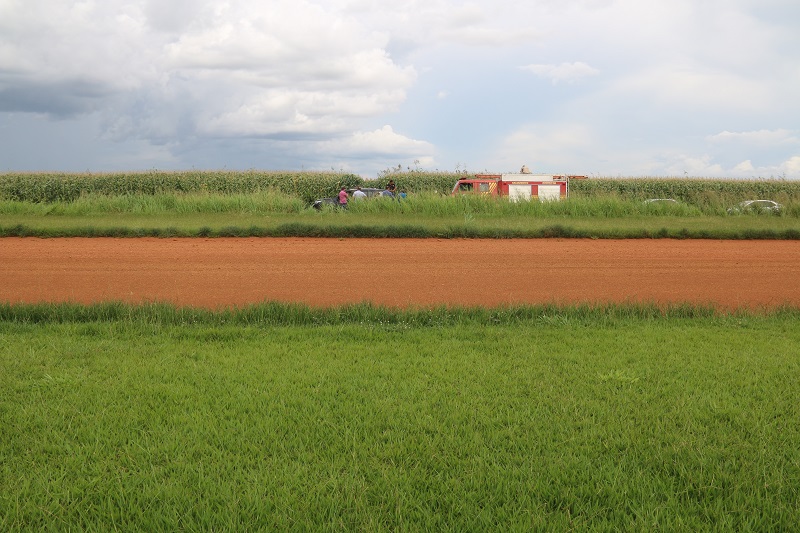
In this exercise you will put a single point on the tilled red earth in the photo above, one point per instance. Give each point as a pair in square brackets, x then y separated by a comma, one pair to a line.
[399, 272]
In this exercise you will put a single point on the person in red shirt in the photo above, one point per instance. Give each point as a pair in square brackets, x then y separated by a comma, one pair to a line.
[343, 198]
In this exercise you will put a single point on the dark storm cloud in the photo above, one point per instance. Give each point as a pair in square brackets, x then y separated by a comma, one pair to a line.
[59, 99]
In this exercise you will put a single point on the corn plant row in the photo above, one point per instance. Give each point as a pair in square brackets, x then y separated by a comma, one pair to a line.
[55, 187]
[699, 192]
[61, 187]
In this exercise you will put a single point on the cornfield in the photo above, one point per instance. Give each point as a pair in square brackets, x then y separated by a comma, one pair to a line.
[64, 187]
[308, 186]
[704, 193]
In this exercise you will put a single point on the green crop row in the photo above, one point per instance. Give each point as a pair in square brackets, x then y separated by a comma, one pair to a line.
[421, 181]
[698, 192]
[61, 187]
[308, 186]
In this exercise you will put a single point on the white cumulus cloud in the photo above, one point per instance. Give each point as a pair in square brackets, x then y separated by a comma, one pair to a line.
[760, 137]
[381, 142]
[791, 167]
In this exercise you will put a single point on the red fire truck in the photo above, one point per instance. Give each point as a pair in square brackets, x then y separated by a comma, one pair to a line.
[521, 186]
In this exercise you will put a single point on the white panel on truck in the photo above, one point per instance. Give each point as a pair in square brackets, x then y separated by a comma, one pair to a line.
[549, 192]
[519, 192]
[526, 177]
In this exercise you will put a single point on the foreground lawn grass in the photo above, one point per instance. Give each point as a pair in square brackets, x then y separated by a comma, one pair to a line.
[549, 419]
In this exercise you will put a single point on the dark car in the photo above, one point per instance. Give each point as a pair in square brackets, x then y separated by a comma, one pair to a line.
[371, 192]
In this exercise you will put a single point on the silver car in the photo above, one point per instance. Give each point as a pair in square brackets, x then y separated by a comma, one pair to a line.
[661, 201]
[756, 206]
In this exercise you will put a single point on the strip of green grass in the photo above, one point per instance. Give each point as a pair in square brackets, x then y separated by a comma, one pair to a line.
[617, 418]
[424, 215]
[398, 225]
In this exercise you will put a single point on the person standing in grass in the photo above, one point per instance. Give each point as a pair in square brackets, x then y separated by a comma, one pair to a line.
[391, 187]
[358, 194]
[343, 198]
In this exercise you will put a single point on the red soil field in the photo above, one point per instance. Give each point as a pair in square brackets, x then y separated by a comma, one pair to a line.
[228, 272]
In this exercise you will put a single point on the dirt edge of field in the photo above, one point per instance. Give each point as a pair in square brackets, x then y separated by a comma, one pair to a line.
[224, 272]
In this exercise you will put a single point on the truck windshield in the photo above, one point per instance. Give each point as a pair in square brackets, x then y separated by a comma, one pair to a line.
[465, 187]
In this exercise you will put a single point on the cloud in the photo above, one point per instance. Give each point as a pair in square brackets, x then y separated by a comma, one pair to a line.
[239, 59]
[64, 98]
[283, 43]
[760, 137]
[565, 72]
[546, 148]
[791, 167]
[574, 147]
[706, 166]
[366, 152]
[767, 152]
[488, 36]
[702, 166]
[240, 80]
[52, 42]
[413, 25]
[383, 142]
[744, 167]
[696, 87]
[287, 112]
[173, 16]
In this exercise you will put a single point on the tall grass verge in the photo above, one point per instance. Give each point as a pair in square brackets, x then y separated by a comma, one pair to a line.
[287, 314]
[607, 205]
[256, 203]
[410, 231]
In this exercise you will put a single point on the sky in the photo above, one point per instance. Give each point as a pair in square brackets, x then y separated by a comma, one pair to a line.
[619, 88]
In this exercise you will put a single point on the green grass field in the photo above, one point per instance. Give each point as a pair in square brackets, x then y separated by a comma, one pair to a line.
[425, 215]
[360, 418]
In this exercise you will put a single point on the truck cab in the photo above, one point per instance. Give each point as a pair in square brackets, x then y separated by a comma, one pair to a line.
[476, 186]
